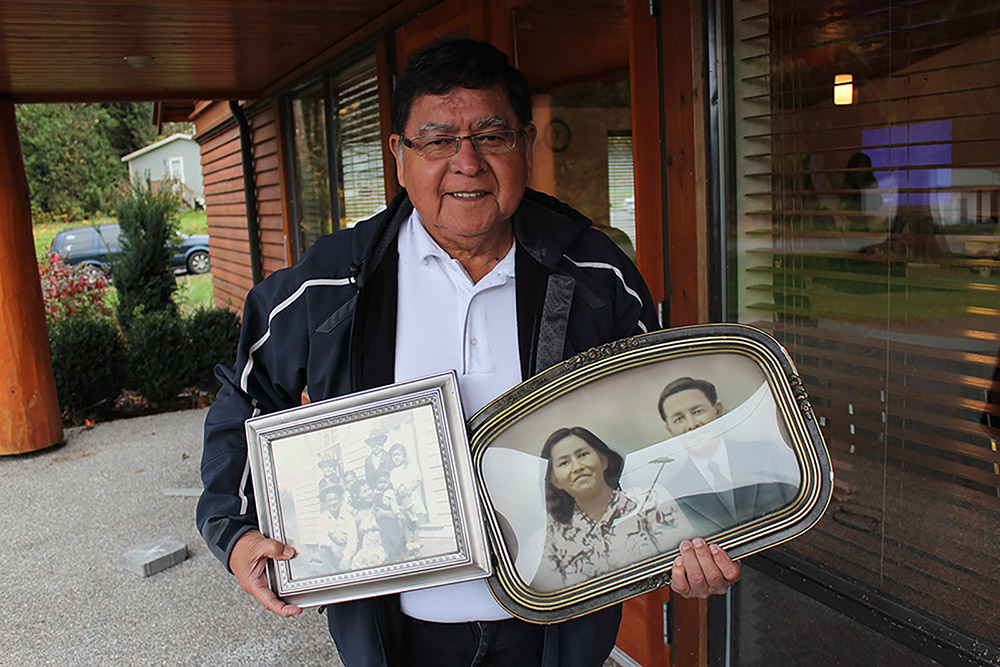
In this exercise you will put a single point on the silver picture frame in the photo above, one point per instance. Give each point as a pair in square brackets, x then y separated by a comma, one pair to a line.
[594, 471]
[374, 490]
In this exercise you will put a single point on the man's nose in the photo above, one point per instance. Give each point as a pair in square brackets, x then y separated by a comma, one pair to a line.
[467, 160]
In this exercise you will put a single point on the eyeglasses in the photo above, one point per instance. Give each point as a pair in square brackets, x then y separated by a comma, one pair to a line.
[488, 142]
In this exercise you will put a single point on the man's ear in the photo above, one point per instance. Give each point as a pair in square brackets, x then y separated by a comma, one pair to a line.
[396, 146]
[718, 409]
[530, 134]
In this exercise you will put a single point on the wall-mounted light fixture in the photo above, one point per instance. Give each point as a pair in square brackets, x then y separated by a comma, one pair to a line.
[139, 62]
[843, 89]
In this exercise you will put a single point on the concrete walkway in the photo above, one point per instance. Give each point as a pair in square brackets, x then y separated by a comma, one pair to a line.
[67, 516]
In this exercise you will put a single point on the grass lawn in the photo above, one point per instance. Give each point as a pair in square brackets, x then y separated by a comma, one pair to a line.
[192, 291]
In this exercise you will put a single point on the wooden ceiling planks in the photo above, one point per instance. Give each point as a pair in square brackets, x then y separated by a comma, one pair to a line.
[66, 50]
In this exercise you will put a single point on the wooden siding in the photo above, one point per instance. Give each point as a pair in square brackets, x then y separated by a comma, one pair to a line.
[225, 203]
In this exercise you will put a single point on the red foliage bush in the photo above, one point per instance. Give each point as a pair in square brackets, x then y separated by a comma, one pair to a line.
[72, 290]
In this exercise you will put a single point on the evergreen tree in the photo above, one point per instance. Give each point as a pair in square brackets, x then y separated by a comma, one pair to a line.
[142, 274]
[72, 152]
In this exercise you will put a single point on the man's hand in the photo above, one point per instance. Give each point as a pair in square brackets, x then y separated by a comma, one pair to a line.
[248, 561]
[702, 570]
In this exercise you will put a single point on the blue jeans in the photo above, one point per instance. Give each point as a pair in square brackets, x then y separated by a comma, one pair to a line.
[475, 644]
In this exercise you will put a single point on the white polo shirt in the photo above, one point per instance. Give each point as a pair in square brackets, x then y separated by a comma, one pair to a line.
[444, 321]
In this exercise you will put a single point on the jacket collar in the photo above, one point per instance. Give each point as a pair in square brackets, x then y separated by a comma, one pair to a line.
[543, 226]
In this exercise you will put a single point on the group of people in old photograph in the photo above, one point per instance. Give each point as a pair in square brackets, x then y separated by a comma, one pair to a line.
[369, 520]
[705, 480]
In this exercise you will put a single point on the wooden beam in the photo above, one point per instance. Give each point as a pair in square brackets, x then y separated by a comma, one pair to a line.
[644, 81]
[690, 647]
[686, 233]
[29, 408]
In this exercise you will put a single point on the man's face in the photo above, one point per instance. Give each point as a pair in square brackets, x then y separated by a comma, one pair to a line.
[467, 197]
[333, 501]
[687, 410]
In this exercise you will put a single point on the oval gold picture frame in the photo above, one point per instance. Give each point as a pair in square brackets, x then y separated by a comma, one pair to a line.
[592, 472]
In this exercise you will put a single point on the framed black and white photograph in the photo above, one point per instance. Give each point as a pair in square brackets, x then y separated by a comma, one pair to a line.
[374, 491]
[593, 472]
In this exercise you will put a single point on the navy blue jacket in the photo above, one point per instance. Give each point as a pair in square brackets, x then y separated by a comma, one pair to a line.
[328, 325]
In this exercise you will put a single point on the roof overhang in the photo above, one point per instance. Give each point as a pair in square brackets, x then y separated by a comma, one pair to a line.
[172, 51]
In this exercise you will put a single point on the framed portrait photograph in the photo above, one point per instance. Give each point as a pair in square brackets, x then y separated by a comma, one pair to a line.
[375, 491]
[593, 472]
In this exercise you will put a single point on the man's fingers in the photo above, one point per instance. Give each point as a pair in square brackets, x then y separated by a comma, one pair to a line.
[266, 597]
[678, 579]
[248, 561]
[731, 570]
[702, 570]
[713, 580]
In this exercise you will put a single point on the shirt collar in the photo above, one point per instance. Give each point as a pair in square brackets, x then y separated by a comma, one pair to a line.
[426, 247]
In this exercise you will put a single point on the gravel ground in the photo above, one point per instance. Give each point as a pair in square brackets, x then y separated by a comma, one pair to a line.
[69, 514]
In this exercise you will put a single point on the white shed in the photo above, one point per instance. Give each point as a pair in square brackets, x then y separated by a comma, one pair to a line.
[176, 160]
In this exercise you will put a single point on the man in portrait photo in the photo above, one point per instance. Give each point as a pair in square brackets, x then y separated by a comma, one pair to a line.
[377, 461]
[728, 478]
[337, 526]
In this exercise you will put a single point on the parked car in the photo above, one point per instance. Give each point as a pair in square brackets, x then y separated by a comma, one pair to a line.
[98, 245]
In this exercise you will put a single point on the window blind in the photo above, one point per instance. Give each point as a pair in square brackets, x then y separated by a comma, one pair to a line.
[621, 189]
[865, 238]
[359, 142]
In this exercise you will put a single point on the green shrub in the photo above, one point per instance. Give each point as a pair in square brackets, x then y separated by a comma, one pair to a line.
[88, 361]
[213, 334]
[158, 355]
[142, 274]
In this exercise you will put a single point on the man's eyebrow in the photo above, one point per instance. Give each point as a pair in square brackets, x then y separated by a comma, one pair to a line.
[431, 127]
[492, 121]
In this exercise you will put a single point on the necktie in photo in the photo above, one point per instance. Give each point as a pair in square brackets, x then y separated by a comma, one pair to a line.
[722, 487]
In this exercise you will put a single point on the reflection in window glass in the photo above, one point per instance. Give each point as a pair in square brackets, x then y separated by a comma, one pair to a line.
[312, 183]
[767, 636]
[866, 239]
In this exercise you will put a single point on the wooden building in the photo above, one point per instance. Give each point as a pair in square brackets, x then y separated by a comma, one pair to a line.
[825, 171]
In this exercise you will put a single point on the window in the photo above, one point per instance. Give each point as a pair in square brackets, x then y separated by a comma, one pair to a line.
[336, 149]
[359, 143]
[865, 238]
[312, 177]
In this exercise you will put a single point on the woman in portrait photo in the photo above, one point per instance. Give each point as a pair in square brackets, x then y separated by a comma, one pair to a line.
[593, 528]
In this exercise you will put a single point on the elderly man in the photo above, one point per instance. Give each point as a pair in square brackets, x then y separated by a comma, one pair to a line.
[467, 270]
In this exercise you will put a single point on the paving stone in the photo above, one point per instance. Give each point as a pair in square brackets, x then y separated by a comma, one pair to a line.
[186, 492]
[154, 557]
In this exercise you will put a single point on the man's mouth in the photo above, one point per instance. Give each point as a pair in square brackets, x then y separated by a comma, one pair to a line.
[468, 195]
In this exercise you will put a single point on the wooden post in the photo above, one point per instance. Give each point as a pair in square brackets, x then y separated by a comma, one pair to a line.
[29, 409]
